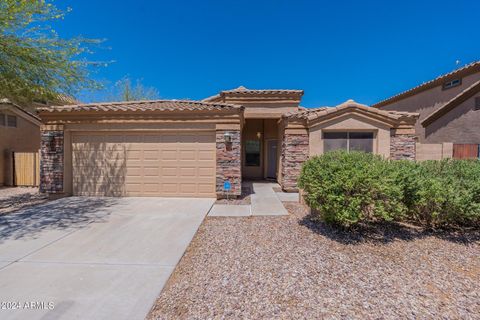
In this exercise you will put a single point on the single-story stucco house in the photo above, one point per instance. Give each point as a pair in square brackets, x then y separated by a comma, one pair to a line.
[190, 148]
[19, 132]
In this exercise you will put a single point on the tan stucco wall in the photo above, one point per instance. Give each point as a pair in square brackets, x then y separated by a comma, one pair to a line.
[460, 125]
[430, 100]
[349, 122]
[268, 110]
[433, 151]
[265, 107]
[24, 138]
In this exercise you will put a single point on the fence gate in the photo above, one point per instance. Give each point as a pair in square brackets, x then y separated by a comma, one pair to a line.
[26, 169]
[465, 151]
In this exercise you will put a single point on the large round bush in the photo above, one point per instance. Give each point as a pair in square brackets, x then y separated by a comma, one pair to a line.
[441, 193]
[347, 188]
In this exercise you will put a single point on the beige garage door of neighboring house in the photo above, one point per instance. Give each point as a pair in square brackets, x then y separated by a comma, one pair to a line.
[170, 164]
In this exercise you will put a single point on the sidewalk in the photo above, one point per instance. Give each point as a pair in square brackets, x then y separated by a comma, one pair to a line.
[264, 202]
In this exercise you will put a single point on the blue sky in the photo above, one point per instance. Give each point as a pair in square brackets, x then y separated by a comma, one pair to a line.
[334, 50]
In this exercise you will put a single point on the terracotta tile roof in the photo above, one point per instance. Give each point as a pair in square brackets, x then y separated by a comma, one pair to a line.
[149, 105]
[242, 91]
[315, 113]
[452, 103]
[30, 114]
[461, 72]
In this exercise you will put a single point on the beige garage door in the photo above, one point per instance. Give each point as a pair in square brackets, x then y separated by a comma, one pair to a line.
[175, 164]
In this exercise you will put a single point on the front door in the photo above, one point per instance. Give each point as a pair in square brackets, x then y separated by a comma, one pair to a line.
[272, 159]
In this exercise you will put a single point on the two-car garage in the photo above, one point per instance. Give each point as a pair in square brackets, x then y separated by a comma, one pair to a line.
[157, 148]
[164, 163]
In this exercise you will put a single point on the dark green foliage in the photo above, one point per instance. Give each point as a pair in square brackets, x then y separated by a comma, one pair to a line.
[348, 188]
[36, 64]
[441, 193]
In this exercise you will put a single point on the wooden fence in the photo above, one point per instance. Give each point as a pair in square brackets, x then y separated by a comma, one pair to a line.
[26, 169]
[465, 151]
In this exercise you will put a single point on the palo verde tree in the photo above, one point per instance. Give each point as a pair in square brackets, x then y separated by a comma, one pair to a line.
[128, 91]
[35, 63]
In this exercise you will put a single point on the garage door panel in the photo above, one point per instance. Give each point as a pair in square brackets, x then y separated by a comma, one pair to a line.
[206, 187]
[169, 171]
[151, 154]
[206, 155]
[187, 188]
[206, 172]
[187, 171]
[152, 172]
[133, 154]
[170, 188]
[138, 164]
[169, 154]
[187, 154]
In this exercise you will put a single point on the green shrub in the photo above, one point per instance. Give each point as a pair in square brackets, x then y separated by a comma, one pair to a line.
[441, 193]
[348, 188]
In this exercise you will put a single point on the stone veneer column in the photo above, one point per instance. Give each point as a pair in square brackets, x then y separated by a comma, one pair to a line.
[402, 146]
[51, 160]
[295, 152]
[229, 164]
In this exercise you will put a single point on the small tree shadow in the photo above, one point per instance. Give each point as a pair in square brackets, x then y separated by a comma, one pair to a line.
[15, 202]
[385, 232]
[61, 214]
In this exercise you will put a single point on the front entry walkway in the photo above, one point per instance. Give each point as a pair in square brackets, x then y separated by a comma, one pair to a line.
[265, 201]
[93, 258]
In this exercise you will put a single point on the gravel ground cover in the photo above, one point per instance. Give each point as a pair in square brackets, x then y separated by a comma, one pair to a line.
[243, 199]
[289, 268]
[14, 198]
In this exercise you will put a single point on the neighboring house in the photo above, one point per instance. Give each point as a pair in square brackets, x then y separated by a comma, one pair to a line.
[191, 148]
[449, 108]
[19, 132]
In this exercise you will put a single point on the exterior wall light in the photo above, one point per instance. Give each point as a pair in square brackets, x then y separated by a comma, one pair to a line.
[259, 135]
[228, 137]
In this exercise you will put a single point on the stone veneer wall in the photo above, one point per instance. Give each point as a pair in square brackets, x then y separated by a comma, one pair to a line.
[51, 161]
[294, 154]
[402, 146]
[229, 163]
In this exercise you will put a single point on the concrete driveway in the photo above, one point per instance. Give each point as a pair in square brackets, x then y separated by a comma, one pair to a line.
[93, 258]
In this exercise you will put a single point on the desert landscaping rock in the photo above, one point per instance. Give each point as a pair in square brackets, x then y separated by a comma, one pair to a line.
[288, 267]
[15, 198]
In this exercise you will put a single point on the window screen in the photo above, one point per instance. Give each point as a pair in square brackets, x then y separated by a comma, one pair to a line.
[335, 141]
[11, 121]
[361, 141]
[351, 141]
[2, 119]
[252, 153]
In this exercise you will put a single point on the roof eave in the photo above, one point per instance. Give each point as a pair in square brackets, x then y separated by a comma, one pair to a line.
[461, 72]
[450, 105]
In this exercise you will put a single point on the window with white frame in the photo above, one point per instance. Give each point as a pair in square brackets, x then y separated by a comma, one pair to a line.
[346, 140]
[3, 122]
[452, 84]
